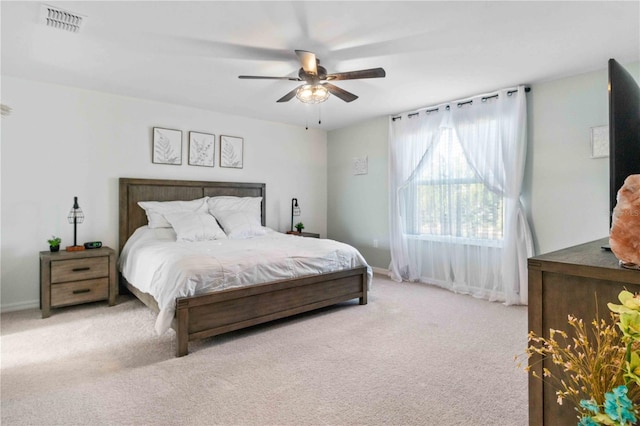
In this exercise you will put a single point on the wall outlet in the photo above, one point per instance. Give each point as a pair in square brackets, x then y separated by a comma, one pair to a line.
[375, 243]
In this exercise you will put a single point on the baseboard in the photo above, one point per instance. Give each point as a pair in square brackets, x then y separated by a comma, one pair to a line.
[20, 306]
[380, 271]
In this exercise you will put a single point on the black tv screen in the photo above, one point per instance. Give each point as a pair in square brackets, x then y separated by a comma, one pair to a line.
[624, 129]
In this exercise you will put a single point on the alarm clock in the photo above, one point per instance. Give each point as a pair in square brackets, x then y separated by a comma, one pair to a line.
[93, 245]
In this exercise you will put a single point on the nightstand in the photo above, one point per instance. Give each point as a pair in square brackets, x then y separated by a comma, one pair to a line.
[304, 234]
[74, 277]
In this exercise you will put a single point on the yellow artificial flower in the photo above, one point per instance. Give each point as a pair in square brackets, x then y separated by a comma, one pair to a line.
[630, 303]
[633, 368]
[630, 324]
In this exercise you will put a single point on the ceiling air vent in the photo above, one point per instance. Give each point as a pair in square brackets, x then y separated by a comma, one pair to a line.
[62, 19]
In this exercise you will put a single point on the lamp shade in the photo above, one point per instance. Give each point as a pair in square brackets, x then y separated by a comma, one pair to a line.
[75, 214]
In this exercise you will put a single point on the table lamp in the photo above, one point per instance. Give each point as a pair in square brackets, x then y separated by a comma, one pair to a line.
[295, 210]
[75, 216]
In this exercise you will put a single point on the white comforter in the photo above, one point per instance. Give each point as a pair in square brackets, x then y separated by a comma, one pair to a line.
[157, 264]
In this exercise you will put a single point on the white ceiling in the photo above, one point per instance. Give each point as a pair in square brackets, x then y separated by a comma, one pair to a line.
[190, 53]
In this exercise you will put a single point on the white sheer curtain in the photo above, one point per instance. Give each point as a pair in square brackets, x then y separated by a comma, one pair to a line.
[456, 218]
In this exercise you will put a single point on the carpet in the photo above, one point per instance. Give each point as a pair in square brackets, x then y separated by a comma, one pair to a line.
[414, 355]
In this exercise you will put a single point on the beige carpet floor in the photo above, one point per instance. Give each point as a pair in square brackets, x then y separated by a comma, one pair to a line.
[415, 355]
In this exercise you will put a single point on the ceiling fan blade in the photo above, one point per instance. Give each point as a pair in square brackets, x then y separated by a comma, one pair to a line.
[288, 96]
[308, 61]
[354, 75]
[260, 77]
[341, 93]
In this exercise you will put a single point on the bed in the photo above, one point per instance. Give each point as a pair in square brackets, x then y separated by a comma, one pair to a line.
[214, 313]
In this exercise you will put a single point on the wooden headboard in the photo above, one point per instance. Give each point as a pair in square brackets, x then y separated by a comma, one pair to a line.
[132, 216]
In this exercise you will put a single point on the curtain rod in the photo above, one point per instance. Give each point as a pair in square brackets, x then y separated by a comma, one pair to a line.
[459, 103]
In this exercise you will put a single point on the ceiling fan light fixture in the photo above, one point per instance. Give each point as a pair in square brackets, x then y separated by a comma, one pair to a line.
[312, 93]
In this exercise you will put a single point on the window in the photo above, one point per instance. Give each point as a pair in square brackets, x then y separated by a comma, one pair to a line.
[455, 178]
[452, 201]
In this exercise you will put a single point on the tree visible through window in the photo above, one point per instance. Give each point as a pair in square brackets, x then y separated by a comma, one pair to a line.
[452, 200]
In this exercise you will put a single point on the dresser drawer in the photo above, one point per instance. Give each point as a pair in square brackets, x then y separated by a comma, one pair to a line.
[79, 269]
[79, 292]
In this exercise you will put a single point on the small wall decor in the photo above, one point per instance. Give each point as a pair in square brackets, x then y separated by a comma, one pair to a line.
[201, 149]
[599, 141]
[231, 151]
[360, 165]
[167, 146]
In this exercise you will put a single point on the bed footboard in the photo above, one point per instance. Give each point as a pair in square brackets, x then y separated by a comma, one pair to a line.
[199, 317]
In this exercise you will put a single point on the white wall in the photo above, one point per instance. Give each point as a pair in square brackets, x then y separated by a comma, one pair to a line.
[61, 142]
[358, 204]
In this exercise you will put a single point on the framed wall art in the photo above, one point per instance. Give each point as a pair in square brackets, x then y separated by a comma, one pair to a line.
[167, 146]
[600, 142]
[231, 151]
[360, 165]
[201, 149]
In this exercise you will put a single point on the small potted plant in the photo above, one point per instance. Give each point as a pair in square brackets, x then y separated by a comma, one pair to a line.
[54, 243]
[299, 227]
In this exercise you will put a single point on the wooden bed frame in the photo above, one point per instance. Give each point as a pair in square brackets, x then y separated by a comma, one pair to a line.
[210, 314]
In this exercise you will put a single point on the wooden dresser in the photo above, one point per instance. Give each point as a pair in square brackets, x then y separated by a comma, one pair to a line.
[567, 282]
[73, 277]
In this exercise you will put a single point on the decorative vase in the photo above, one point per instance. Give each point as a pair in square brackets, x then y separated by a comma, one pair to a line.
[54, 248]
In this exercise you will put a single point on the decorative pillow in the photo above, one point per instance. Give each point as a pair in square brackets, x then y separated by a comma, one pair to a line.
[238, 224]
[195, 226]
[156, 210]
[252, 206]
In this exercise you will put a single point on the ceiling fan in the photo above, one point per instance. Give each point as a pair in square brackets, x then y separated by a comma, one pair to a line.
[316, 87]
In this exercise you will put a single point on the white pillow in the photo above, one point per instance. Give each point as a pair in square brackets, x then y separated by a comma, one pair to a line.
[239, 225]
[156, 210]
[252, 206]
[195, 226]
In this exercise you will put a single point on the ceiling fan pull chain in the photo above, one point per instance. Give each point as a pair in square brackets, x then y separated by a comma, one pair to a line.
[319, 114]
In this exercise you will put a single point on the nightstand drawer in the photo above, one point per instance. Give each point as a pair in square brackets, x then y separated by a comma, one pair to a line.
[79, 269]
[79, 292]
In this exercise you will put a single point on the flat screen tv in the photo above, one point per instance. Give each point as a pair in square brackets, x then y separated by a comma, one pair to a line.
[624, 129]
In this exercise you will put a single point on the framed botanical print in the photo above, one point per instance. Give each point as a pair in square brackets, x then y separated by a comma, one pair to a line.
[167, 146]
[231, 151]
[201, 149]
